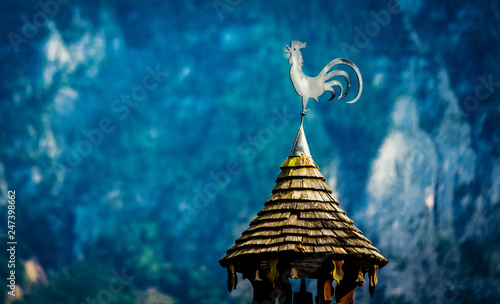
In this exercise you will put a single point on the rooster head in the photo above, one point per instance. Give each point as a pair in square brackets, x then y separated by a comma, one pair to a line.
[294, 51]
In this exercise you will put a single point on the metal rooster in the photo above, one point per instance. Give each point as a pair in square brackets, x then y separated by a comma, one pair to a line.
[313, 87]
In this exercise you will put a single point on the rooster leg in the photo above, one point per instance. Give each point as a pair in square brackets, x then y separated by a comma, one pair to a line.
[304, 105]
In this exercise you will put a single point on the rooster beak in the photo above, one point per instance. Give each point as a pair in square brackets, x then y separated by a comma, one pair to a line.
[287, 49]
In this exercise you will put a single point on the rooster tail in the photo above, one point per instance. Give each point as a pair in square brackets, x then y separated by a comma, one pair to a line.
[329, 86]
[326, 76]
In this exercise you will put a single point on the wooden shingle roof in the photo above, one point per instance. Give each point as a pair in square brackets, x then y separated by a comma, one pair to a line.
[301, 223]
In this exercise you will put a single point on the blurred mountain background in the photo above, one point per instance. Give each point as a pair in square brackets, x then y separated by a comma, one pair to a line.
[141, 138]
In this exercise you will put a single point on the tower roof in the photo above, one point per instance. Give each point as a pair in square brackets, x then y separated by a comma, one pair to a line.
[301, 223]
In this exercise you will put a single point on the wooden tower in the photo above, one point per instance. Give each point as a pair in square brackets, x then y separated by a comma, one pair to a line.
[302, 233]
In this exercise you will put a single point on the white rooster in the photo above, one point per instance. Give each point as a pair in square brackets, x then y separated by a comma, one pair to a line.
[313, 87]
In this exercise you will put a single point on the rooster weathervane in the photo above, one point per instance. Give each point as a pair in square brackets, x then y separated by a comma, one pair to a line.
[313, 87]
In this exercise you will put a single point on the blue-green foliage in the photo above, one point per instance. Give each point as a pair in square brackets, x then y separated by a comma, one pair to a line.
[177, 176]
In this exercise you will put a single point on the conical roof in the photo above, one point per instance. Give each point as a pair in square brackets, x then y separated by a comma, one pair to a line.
[301, 224]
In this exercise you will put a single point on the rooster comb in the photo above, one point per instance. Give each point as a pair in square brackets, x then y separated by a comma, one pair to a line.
[297, 44]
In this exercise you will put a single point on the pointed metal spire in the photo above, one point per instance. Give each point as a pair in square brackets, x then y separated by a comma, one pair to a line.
[300, 146]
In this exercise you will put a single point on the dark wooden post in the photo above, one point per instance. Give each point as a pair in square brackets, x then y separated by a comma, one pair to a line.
[344, 293]
[285, 291]
[263, 292]
[303, 297]
[324, 288]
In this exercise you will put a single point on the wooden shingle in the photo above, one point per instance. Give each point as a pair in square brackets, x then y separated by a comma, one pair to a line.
[301, 218]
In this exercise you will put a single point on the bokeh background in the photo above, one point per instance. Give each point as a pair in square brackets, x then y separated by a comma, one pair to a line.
[122, 123]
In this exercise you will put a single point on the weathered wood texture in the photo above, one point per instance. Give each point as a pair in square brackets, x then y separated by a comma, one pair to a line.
[301, 218]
